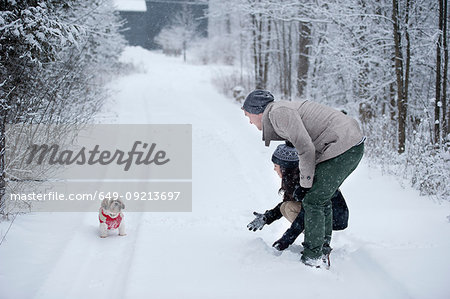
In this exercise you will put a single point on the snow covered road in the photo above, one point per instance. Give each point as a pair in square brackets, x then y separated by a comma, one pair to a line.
[396, 246]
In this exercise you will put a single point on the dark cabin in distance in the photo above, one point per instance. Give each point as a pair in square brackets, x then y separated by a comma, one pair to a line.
[145, 18]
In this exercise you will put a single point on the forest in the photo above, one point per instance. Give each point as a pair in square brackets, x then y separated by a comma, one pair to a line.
[384, 62]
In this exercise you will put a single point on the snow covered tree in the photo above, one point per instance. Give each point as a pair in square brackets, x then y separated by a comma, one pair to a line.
[54, 57]
[176, 37]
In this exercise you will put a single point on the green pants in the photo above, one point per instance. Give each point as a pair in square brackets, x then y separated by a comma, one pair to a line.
[329, 175]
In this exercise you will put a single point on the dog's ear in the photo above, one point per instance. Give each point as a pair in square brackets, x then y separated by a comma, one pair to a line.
[105, 203]
[122, 205]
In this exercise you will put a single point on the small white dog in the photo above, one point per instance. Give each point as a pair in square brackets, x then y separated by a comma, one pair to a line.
[111, 216]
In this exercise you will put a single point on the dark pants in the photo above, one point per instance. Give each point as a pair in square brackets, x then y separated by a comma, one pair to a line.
[329, 175]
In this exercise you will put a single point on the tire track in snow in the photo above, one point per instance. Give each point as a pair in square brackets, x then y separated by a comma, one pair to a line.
[90, 264]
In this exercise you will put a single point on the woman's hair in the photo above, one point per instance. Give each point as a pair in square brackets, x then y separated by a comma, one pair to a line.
[289, 181]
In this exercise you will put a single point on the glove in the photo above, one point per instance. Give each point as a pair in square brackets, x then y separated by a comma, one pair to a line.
[267, 218]
[281, 244]
[300, 192]
[288, 238]
[292, 233]
[258, 222]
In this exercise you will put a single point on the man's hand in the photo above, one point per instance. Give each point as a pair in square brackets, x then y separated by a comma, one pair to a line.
[300, 192]
[258, 222]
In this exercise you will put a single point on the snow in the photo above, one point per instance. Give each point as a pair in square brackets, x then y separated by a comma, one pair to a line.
[130, 5]
[396, 245]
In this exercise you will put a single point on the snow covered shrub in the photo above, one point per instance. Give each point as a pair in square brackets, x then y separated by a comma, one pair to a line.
[228, 79]
[433, 172]
[429, 164]
[219, 50]
[170, 40]
[379, 143]
[424, 166]
[177, 37]
[199, 52]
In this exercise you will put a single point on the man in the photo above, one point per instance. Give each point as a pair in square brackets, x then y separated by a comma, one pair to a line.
[330, 145]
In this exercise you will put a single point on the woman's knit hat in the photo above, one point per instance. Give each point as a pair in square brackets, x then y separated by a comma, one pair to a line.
[285, 155]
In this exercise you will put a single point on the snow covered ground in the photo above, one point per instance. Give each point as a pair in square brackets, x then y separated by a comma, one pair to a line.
[396, 246]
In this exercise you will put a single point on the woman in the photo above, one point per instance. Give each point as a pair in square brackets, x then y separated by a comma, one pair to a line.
[285, 159]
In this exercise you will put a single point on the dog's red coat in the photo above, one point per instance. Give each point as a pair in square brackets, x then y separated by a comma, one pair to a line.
[112, 223]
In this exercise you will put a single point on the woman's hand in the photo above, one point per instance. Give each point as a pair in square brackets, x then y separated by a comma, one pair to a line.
[258, 222]
[292, 233]
[281, 244]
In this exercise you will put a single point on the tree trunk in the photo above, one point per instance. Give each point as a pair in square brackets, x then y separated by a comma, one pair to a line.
[278, 61]
[2, 159]
[407, 65]
[260, 50]
[303, 61]
[266, 54]
[283, 73]
[259, 41]
[289, 66]
[184, 51]
[255, 51]
[437, 101]
[401, 100]
[445, 115]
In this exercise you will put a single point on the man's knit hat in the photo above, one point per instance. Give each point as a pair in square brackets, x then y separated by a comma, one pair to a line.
[285, 155]
[257, 100]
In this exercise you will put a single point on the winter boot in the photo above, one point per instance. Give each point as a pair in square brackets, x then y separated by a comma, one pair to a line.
[314, 263]
[326, 250]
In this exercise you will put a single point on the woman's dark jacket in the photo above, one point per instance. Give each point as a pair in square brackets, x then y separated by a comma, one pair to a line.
[340, 217]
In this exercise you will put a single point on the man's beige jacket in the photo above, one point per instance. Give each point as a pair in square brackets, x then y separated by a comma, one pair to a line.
[318, 132]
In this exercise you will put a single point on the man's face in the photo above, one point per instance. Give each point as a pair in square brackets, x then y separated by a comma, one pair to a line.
[255, 119]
